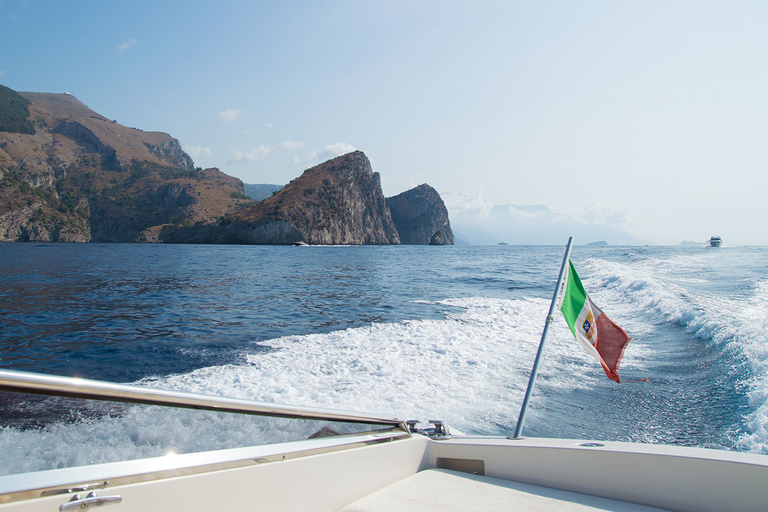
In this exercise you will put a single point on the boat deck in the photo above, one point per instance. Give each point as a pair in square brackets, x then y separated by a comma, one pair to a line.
[446, 490]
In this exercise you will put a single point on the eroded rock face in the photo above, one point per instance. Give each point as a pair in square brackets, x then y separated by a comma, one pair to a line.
[79, 177]
[421, 217]
[338, 202]
[438, 239]
[171, 152]
[23, 225]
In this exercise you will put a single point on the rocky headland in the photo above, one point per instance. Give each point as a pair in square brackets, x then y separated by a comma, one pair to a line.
[421, 217]
[68, 174]
[335, 203]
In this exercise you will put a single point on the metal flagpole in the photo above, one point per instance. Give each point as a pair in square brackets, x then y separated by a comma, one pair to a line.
[535, 369]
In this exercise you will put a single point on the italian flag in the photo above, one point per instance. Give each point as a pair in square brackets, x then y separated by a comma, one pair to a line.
[594, 331]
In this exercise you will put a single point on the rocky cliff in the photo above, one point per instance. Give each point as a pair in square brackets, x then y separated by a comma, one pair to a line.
[421, 217]
[337, 202]
[69, 174]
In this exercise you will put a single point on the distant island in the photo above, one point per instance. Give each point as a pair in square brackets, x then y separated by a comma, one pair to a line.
[601, 243]
[68, 174]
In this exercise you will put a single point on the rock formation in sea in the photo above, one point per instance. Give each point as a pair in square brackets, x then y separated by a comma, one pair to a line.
[421, 217]
[337, 202]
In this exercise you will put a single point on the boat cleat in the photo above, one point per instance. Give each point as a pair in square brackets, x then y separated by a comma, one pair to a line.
[438, 430]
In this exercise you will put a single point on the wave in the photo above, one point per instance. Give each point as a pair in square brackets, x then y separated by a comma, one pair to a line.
[470, 369]
[415, 369]
[729, 317]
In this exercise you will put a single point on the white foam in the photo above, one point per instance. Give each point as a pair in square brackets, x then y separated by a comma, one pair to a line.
[140, 432]
[737, 322]
[753, 340]
[470, 370]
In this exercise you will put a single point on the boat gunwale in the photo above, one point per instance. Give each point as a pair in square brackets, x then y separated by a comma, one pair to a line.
[25, 486]
[74, 387]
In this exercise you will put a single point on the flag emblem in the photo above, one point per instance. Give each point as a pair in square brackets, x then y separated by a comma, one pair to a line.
[588, 324]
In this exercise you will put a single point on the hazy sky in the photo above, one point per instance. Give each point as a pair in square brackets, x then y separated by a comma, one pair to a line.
[650, 116]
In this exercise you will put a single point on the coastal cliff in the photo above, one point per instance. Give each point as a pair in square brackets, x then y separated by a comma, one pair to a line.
[68, 174]
[421, 217]
[338, 202]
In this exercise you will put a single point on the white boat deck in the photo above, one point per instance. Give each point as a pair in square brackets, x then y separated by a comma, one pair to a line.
[441, 490]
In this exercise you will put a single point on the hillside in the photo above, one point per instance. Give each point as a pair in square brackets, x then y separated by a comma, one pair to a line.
[80, 177]
[337, 202]
[14, 111]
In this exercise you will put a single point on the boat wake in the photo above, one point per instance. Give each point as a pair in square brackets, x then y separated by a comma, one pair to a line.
[732, 325]
[469, 369]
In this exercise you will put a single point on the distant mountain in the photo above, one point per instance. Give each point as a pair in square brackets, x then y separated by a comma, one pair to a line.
[261, 191]
[532, 225]
[467, 231]
[76, 176]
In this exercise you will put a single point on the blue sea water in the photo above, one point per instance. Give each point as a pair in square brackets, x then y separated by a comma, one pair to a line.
[414, 331]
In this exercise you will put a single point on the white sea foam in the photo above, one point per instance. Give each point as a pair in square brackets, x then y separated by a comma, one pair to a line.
[469, 369]
[138, 432]
[754, 341]
[737, 322]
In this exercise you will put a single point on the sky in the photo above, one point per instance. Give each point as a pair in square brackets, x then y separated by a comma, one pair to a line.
[635, 121]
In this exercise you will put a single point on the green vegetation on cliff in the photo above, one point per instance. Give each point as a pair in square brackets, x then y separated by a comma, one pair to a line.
[14, 110]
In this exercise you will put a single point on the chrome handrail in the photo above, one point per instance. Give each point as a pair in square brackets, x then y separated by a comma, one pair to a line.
[75, 387]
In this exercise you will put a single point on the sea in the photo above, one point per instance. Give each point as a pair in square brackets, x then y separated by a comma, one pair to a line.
[417, 332]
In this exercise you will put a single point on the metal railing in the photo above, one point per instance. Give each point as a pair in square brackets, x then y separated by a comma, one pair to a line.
[73, 387]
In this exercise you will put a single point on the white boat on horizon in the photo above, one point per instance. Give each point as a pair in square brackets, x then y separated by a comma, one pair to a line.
[360, 462]
[715, 241]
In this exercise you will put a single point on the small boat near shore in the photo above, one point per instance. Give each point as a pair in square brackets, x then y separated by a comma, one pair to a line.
[360, 462]
[715, 241]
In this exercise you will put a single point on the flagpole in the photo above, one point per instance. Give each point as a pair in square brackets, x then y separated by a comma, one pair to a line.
[535, 369]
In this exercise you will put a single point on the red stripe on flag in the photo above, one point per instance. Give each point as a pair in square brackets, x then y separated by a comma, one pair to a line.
[611, 342]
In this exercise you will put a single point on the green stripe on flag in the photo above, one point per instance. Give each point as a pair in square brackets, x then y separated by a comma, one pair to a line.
[574, 298]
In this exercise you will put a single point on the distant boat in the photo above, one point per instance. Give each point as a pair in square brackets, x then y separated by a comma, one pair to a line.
[503, 243]
[715, 241]
[299, 244]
